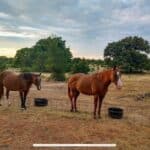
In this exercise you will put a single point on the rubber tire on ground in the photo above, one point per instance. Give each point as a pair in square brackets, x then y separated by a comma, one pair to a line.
[116, 113]
[40, 102]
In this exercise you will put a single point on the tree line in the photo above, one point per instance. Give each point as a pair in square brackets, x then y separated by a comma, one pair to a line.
[52, 55]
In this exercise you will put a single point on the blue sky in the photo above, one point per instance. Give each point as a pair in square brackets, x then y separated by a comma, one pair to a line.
[86, 25]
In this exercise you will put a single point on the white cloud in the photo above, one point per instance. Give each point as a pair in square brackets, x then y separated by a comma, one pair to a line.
[15, 34]
[5, 16]
[29, 28]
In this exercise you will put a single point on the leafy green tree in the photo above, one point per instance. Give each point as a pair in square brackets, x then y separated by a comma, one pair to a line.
[50, 55]
[57, 56]
[131, 53]
[5, 63]
[22, 59]
[147, 65]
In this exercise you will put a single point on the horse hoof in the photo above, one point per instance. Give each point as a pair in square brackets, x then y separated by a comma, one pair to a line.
[99, 117]
[23, 108]
[76, 111]
[71, 110]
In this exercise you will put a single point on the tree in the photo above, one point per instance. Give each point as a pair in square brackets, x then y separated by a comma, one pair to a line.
[50, 55]
[131, 53]
[147, 65]
[5, 62]
[23, 60]
[57, 56]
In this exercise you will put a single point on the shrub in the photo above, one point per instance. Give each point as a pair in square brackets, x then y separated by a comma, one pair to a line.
[80, 67]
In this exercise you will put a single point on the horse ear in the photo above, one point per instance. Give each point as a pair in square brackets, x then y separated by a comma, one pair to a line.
[114, 68]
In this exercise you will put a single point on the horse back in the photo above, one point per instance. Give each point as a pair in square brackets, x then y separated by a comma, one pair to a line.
[74, 79]
[88, 84]
[12, 81]
[82, 83]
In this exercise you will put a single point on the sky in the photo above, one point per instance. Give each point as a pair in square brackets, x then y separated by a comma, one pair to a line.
[86, 25]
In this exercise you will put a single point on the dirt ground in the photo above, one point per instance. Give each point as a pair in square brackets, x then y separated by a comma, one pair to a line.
[55, 124]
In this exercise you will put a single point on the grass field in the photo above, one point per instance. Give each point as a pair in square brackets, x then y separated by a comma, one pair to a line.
[55, 124]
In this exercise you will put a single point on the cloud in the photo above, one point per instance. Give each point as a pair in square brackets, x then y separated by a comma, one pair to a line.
[15, 34]
[86, 25]
[4, 15]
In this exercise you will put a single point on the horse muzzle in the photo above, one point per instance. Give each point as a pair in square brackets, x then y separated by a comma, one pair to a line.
[119, 84]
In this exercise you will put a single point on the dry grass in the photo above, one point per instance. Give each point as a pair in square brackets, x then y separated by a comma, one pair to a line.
[55, 124]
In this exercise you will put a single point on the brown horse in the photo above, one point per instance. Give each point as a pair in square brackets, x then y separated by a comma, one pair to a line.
[95, 84]
[21, 82]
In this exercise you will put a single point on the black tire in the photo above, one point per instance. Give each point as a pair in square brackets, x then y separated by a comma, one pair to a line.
[40, 102]
[116, 113]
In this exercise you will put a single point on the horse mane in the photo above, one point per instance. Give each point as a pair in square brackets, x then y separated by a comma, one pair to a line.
[26, 76]
[101, 74]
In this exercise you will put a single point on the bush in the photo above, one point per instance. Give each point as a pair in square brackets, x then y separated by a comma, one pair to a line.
[81, 67]
[58, 76]
[26, 69]
[5, 63]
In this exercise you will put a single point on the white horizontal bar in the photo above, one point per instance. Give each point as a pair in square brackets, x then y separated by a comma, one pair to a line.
[74, 145]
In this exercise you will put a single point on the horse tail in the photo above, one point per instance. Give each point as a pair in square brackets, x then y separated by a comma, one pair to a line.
[1, 85]
[69, 92]
[1, 90]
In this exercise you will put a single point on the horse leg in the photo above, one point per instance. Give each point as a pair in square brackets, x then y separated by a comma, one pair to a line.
[25, 96]
[70, 94]
[7, 96]
[75, 101]
[95, 105]
[22, 99]
[1, 92]
[71, 100]
[0, 102]
[99, 106]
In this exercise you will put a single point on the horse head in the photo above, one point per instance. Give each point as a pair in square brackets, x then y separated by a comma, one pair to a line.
[116, 77]
[37, 80]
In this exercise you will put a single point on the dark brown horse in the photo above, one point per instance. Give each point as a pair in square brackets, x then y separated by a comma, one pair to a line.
[95, 84]
[18, 82]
